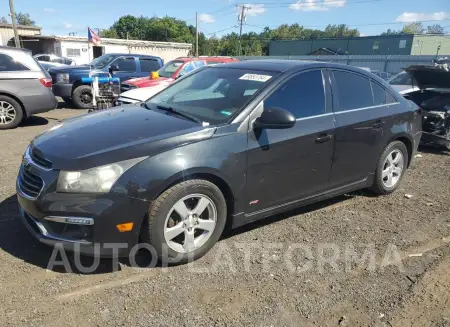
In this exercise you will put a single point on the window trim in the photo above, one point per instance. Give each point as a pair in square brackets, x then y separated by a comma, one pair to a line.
[288, 78]
[72, 56]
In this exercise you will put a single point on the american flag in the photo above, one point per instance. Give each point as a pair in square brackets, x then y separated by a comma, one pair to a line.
[93, 37]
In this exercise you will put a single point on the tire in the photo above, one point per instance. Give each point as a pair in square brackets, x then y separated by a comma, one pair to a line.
[158, 222]
[383, 184]
[11, 113]
[81, 95]
[67, 100]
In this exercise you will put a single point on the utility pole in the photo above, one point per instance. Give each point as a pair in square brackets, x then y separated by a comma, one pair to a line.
[13, 18]
[196, 34]
[241, 19]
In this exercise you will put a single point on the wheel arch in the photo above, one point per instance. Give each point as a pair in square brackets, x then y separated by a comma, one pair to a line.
[208, 174]
[408, 142]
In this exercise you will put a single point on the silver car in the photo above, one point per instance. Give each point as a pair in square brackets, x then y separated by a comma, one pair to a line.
[25, 87]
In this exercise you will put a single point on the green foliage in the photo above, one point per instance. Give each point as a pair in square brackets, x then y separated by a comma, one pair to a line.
[3, 20]
[24, 19]
[435, 29]
[416, 28]
[170, 29]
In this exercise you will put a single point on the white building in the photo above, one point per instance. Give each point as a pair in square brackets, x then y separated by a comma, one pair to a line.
[78, 49]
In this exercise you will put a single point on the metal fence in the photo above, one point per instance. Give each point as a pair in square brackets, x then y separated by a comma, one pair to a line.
[390, 64]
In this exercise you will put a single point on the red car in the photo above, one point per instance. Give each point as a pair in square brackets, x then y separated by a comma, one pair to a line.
[174, 69]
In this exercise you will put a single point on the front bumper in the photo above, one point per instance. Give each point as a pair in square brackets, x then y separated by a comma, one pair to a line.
[94, 232]
[62, 90]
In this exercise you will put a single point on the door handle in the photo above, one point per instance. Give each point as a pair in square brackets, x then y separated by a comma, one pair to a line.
[378, 124]
[323, 138]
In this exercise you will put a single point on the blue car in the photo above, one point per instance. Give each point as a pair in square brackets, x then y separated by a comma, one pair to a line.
[68, 84]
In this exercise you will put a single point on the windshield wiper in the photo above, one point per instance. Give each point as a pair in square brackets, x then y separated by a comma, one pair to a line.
[179, 113]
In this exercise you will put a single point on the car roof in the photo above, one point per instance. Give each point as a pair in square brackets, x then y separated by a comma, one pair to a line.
[132, 55]
[281, 66]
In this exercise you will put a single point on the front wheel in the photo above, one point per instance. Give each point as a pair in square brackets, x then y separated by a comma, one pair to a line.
[185, 221]
[82, 97]
[391, 168]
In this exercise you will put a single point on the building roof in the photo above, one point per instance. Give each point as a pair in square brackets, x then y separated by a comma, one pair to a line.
[23, 27]
[134, 43]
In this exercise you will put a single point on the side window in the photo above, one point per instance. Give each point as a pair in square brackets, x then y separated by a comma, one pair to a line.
[379, 94]
[354, 91]
[44, 58]
[303, 95]
[390, 98]
[8, 64]
[126, 64]
[149, 65]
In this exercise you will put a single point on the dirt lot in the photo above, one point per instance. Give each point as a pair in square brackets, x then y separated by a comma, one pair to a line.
[266, 274]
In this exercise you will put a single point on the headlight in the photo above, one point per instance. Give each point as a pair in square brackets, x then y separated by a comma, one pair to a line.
[94, 180]
[62, 78]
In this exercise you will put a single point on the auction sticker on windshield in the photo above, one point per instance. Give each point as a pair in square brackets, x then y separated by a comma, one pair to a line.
[256, 77]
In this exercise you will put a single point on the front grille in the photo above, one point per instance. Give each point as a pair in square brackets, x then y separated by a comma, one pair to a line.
[40, 160]
[29, 183]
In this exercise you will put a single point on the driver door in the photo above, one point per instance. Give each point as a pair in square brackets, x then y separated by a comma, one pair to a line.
[286, 165]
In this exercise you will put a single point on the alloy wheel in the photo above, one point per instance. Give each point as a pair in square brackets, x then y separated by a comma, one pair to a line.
[7, 113]
[393, 168]
[190, 223]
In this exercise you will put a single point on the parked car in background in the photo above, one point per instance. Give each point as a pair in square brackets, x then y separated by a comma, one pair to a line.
[402, 82]
[383, 75]
[175, 69]
[25, 87]
[51, 58]
[68, 81]
[231, 143]
[141, 89]
[432, 94]
[48, 65]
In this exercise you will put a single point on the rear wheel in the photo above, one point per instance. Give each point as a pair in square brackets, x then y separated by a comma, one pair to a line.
[82, 97]
[10, 112]
[391, 168]
[185, 221]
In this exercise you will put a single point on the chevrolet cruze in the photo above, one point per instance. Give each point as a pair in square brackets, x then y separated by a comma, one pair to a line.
[227, 144]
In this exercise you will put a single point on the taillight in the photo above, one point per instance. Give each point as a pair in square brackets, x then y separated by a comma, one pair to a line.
[47, 82]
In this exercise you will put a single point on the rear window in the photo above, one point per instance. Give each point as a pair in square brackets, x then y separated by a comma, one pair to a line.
[354, 91]
[212, 94]
[149, 65]
[401, 79]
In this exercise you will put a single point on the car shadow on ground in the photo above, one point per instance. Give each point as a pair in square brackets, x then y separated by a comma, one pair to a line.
[16, 240]
[34, 121]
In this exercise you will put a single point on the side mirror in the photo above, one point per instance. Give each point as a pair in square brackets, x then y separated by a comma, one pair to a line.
[274, 118]
[113, 68]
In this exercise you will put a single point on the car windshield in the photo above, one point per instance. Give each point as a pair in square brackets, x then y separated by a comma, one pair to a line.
[102, 61]
[170, 68]
[401, 79]
[212, 94]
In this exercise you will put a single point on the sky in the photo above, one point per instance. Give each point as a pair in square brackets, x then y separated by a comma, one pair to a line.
[371, 17]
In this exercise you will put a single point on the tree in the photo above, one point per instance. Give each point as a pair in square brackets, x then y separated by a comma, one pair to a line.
[391, 32]
[24, 19]
[3, 20]
[435, 29]
[413, 28]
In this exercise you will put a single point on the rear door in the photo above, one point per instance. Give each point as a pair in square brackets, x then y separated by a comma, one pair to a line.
[290, 164]
[127, 68]
[363, 122]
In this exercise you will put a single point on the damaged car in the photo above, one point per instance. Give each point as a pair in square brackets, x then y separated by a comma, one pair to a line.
[431, 92]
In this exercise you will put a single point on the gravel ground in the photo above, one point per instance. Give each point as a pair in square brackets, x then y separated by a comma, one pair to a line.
[271, 273]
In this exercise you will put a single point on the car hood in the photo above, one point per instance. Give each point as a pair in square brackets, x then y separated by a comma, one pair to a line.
[429, 76]
[143, 93]
[114, 135]
[147, 82]
[84, 69]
